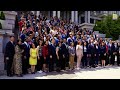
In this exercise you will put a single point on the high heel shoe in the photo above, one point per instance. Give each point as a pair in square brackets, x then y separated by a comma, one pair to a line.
[19, 75]
[33, 72]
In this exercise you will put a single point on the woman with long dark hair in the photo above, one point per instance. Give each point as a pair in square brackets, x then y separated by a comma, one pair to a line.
[45, 55]
[59, 56]
[103, 54]
[85, 53]
[40, 57]
[97, 52]
[17, 62]
[33, 58]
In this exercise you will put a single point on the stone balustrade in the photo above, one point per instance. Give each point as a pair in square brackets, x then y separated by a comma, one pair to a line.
[96, 32]
[10, 15]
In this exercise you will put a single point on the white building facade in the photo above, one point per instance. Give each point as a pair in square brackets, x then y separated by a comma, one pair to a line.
[79, 17]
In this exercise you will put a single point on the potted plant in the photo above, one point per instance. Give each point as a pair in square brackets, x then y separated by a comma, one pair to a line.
[2, 16]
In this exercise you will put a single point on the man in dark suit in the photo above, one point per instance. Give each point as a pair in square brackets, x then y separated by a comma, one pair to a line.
[117, 53]
[112, 53]
[65, 61]
[9, 55]
[52, 55]
[91, 51]
[25, 56]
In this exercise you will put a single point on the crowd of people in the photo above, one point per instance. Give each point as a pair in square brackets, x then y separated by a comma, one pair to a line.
[46, 45]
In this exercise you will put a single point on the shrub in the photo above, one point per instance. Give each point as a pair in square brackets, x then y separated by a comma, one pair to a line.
[2, 16]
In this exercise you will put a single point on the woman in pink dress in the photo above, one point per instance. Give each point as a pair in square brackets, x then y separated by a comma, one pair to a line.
[79, 53]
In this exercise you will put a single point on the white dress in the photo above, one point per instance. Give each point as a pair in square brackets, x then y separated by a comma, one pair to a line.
[79, 50]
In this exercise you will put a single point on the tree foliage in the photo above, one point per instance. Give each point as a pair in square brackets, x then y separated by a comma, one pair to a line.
[109, 27]
[2, 16]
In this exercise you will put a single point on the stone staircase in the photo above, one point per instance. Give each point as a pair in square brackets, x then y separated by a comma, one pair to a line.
[90, 26]
[8, 26]
[101, 35]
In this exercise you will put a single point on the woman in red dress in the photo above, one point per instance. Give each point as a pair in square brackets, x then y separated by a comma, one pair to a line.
[45, 55]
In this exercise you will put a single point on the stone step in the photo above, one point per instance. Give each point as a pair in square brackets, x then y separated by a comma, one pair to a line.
[2, 72]
[96, 32]
[2, 31]
[102, 35]
[1, 65]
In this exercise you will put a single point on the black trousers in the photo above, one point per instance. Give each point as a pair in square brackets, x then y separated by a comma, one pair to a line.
[51, 64]
[9, 66]
[63, 63]
[107, 60]
[40, 63]
[67, 61]
[92, 61]
[25, 65]
[112, 59]
[58, 64]
[84, 59]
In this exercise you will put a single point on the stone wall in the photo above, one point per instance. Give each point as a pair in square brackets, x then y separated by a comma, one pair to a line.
[7, 29]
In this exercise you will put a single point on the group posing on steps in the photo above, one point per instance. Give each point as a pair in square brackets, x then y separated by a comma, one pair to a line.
[56, 45]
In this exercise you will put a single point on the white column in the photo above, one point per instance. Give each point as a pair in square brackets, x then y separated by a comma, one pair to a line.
[33, 12]
[76, 16]
[68, 15]
[58, 14]
[94, 21]
[118, 12]
[54, 13]
[38, 13]
[79, 19]
[64, 13]
[86, 20]
[72, 16]
[88, 16]
[48, 15]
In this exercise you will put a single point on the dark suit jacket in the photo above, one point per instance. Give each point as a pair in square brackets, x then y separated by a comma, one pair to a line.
[102, 50]
[10, 50]
[26, 50]
[64, 50]
[91, 49]
[97, 50]
[111, 49]
[52, 51]
[117, 49]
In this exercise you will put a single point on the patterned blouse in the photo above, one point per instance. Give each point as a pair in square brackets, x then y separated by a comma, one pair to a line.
[71, 50]
[40, 50]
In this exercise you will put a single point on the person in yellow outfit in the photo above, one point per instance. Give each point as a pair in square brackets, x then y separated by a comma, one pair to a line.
[33, 58]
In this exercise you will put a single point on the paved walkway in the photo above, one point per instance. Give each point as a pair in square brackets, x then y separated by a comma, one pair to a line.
[93, 73]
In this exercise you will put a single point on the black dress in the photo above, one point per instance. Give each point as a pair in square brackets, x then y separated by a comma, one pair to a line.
[103, 52]
[59, 60]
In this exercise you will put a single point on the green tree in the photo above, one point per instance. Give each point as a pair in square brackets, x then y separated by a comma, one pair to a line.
[109, 27]
[2, 16]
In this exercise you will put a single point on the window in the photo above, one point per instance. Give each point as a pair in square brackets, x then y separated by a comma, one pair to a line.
[82, 19]
[91, 20]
